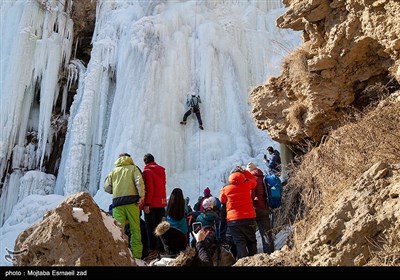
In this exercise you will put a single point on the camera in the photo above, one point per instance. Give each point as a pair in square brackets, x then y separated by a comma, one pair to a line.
[196, 226]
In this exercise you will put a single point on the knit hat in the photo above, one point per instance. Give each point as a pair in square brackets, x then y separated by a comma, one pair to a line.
[251, 166]
[207, 191]
[209, 202]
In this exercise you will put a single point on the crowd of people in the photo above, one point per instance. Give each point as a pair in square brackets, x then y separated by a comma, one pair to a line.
[228, 221]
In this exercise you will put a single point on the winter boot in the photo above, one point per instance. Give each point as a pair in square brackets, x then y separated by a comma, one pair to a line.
[201, 127]
[183, 122]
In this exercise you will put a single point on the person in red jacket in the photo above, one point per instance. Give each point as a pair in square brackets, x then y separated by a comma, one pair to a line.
[240, 213]
[155, 200]
[263, 211]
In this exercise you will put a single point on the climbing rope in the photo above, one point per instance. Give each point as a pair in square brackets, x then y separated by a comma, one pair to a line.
[195, 88]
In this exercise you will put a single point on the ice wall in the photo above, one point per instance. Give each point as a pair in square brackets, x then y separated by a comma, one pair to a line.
[147, 57]
[36, 38]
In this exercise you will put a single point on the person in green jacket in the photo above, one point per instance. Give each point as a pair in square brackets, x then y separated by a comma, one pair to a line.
[125, 183]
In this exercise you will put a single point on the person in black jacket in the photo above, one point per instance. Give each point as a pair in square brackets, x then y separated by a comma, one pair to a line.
[173, 240]
[203, 248]
[196, 206]
[194, 107]
[209, 251]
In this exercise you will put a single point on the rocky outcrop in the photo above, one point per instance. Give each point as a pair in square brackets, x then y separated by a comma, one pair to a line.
[75, 233]
[339, 213]
[350, 57]
[360, 228]
[84, 17]
[359, 224]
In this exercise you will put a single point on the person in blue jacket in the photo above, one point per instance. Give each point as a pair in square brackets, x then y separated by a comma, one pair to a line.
[274, 163]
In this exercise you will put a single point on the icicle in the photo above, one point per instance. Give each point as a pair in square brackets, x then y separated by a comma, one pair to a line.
[37, 40]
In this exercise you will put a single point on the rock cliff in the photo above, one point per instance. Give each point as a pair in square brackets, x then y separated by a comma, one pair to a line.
[336, 104]
[350, 49]
[76, 233]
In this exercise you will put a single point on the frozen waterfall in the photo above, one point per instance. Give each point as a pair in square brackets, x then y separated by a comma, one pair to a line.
[146, 57]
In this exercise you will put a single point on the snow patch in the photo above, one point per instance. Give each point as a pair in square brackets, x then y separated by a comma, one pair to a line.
[112, 228]
[80, 215]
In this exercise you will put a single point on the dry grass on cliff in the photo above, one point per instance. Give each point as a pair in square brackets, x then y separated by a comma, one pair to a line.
[296, 66]
[335, 164]
[387, 254]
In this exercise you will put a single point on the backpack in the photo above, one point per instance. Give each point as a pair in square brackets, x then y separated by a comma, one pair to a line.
[274, 190]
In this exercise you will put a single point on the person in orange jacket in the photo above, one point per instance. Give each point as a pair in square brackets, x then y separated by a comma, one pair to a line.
[240, 213]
